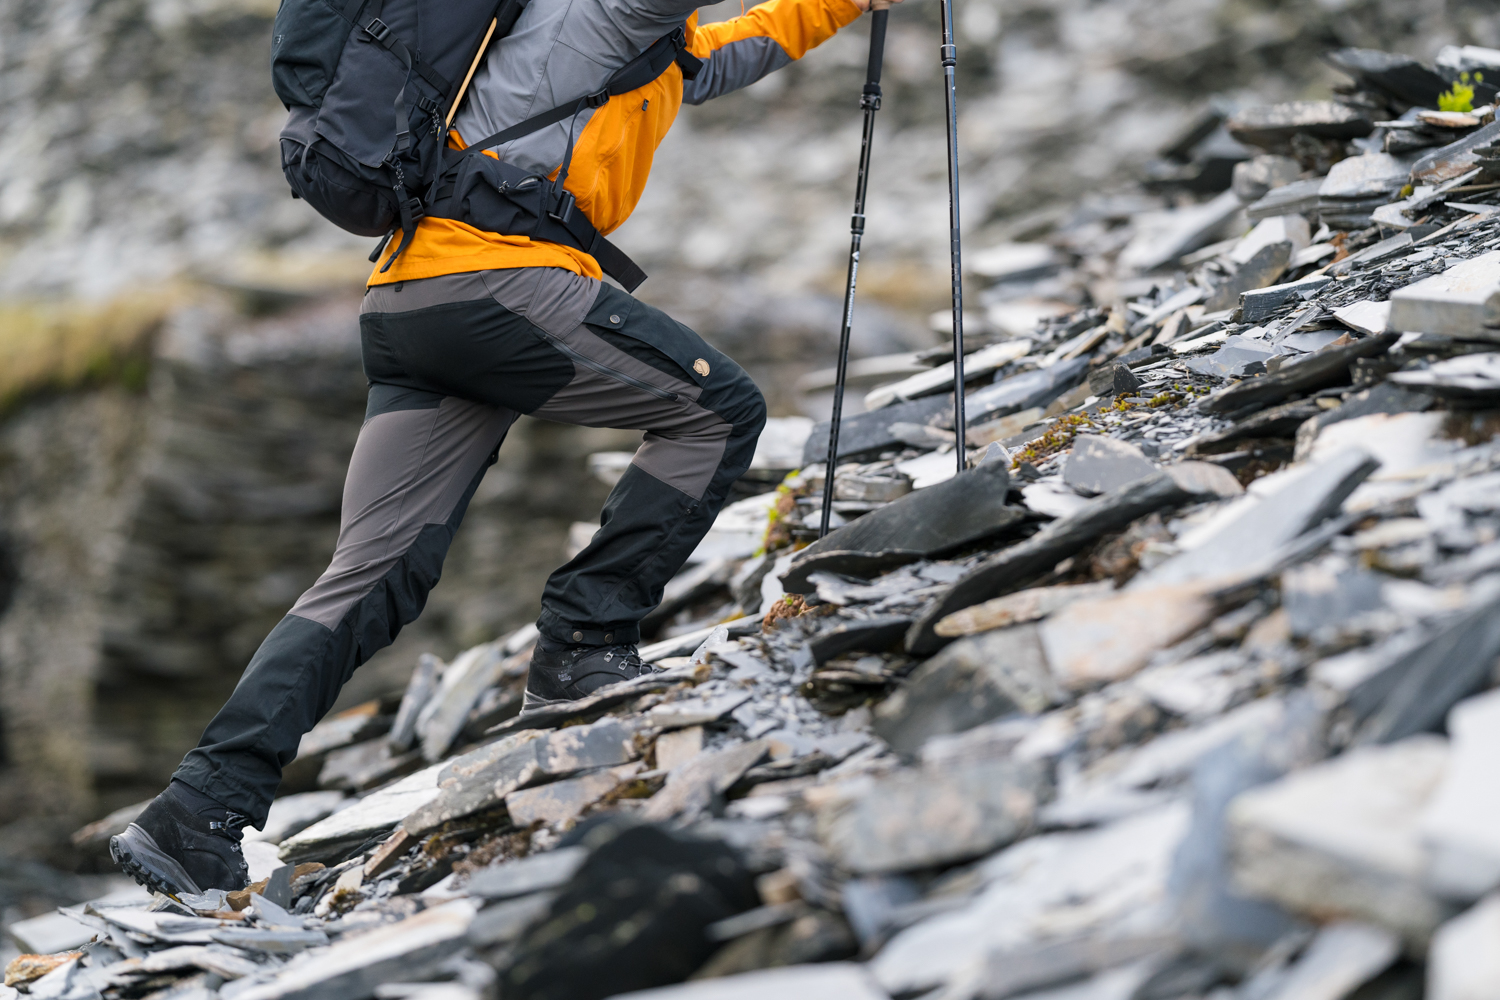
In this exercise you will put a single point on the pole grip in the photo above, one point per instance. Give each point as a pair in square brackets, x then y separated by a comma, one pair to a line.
[881, 11]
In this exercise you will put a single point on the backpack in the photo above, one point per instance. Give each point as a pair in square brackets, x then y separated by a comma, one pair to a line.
[371, 87]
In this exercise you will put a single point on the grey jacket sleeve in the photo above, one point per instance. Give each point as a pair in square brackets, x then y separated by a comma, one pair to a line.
[736, 65]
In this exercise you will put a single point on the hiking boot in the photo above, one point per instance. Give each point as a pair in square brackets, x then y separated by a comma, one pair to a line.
[564, 672]
[185, 842]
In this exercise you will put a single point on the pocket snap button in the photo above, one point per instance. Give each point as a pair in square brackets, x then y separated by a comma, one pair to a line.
[615, 320]
[700, 366]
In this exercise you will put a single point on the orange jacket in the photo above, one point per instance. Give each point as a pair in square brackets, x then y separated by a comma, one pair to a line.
[614, 150]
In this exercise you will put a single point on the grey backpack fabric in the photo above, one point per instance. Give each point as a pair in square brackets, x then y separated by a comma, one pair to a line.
[369, 85]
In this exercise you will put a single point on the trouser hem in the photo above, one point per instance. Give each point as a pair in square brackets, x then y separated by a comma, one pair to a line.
[554, 627]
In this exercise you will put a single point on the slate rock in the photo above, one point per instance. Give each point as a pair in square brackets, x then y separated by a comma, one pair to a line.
[921, 819]
[1238, 356]
[1096, 642]
[1390, 73]
[871, 432]
[1015, 609]
[1461, 827]
[678, 747]
[1113, 379]
[1344, 956]
[1256, 177]
[1454, 159]
[561, 802]
[1013, 568]
[1341, 838]
[1295, 198]
[1372, 254]
[1383, 398]
[1317, 595]
[1367, 317]
[1263, 269]
[482, 779]
[1162, 237]
[1308, 373]
[351, 969]
[1462, 301]
[1470, 381]
[694, 786]
[366, 765]
[505, 922]
[1282, 421]
[524, 876]
[419, 689]
[1019, 392]
[1272, 126]
[1260, 304]
[865, 635]
[826, 981]
[1464, 963]
[1244, 539]
[328, 839]
[969, 683]
[294, 813]
[964, 510]
[635, 915]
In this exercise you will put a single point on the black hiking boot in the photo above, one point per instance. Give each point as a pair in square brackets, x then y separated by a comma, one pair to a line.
[185, 842]
[564, 672]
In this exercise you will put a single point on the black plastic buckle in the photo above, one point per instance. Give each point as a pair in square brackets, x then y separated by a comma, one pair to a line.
[564, 210]
[414, 207]
[378, 30]
[597, 100]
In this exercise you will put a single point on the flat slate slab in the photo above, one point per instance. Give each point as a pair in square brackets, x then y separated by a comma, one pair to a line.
[828, 981]
[537, 873]
[1100, 464]
[1461, 827]
[871, 635]
[1309, 373]
[1014, 568]
[330, 838]
[963, 510]
[1463, 301]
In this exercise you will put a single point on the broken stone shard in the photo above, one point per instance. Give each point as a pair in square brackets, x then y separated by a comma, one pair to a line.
[969, 683]
[1113, 379]
[1267, 265]
[1455, 159]
[1341, 838]
[1100, 464]
[872, 635]
[419, 689]
[908, 821]
[1018, 392]
[1463, 301]
[1241, 538]
[1260, 304]
[562, 801]
[1013, 568]
[1256, 177]
[981, 362]
[1464, 963]
[1089, 643]
[1343, 957]
[1014, 609]
[830, 981]
[1272, 126]
[328, 839]
[1305, 374]
[965, 509]
[1461, 826]
[693, 787]
[525, 876]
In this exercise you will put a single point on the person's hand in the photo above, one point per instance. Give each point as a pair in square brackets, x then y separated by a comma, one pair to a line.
[865, 5]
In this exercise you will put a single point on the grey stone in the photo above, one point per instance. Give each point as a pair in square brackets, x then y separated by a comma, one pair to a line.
[1217, 920]
[1343, 957]
[328, 839]
[419, 688]
[50, 933]
[678, 747]
[1100, 464]
[693, 787]
[1341, 838]
[940, 379]
[353, 726]
[1047, 910]
[522, 877]
[1256, 177]
[507, 921]
[1019, 392]
[1263, 269]
[871, 635]
[595, 705]
[1307, 373]
[293, 813]
[867, 432]
[1319, 595]
[1461, 826]
[1464, 963]
[1469, 381]
[443, 717]
[1099, 641]
[1242, 543]
[351, 968]
[1374, 253]
[968, 508]
[1455, 159]
[920, 819]
[824, 981]
[696, 710]
[1282, 421]
[365, 765]
[1260, 304]
[1294, 198]
[1237, 357]
[1412, 689]
[969, 683]
[1382, 398]
[1272, 126]
[1463, 301]
[271, 940]
[1014, 609]
[561, 802]
[481, 780]
[1162, 237]
[1013, 568]
[1392, 73]
[1113, 379]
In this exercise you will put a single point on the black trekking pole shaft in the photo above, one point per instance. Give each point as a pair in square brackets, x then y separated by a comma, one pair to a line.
[870, 102]
[950, 65]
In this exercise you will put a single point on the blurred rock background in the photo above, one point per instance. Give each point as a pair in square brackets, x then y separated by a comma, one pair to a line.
[179, 372]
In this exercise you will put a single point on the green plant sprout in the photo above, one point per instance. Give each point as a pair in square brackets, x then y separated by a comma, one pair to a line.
[1461, 96]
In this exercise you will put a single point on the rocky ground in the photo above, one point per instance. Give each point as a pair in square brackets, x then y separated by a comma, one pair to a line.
[1181, 689]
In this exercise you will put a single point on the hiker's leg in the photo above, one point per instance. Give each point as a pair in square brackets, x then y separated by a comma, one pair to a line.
[417, 462]
[702, 415]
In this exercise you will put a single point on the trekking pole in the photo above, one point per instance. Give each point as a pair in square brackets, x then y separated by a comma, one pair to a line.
[870, 101]
[950, 65]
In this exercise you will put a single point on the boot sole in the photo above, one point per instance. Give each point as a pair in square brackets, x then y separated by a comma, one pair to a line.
[137, 854]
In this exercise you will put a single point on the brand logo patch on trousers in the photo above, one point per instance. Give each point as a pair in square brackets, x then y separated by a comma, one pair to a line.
[700, 366]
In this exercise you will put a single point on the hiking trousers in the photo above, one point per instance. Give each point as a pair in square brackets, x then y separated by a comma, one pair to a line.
[452, 361]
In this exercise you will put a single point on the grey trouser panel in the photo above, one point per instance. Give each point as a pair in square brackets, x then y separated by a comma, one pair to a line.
[452, 361]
